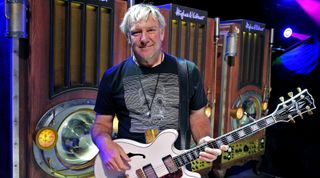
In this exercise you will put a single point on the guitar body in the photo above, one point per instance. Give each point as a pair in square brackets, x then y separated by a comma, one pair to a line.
[150, 155]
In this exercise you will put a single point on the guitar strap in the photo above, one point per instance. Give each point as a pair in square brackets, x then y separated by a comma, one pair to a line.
[184, 131]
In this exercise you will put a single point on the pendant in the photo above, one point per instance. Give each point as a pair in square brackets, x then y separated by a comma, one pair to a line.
[151, 135]
[148, 114]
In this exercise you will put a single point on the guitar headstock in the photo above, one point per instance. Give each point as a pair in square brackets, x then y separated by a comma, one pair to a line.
[295, 106]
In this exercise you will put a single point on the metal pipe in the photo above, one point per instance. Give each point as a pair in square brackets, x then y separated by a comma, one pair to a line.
[268, 85]
[215, 60]
[15, 13]
[14, 97]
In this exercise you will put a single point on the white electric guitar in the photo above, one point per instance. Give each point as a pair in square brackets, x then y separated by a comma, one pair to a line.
[161, 159]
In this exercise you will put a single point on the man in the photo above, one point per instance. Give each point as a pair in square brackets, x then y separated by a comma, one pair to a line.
[143, 92]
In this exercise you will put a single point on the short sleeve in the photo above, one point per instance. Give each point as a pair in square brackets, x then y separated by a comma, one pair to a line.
[198, 98]
[104, 101]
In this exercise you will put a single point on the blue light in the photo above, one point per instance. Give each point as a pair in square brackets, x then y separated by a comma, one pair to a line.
[301, 60]
[287, 32]
[5, 95]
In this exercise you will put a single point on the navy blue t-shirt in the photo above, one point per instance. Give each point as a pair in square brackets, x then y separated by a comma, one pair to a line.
[145, 98]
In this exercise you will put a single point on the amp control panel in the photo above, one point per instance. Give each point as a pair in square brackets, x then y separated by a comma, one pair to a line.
[238, 153]
[243, 149]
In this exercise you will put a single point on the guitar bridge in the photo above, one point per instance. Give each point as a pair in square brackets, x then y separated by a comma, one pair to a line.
[140, 173]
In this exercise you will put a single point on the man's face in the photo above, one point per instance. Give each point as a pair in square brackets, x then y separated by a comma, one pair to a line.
[146, 38]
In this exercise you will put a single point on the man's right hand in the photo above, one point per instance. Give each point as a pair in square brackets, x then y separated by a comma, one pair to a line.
[114, 157]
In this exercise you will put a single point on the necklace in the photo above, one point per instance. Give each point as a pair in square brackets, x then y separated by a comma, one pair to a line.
[145, 97]
[155, 88]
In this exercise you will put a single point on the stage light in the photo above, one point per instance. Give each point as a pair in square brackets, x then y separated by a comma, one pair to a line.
[287, 32]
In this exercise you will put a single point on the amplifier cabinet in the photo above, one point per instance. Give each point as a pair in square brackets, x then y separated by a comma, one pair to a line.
[71, 44]
[243, 85]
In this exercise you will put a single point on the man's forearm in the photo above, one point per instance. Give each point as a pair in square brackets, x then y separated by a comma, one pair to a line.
[200, 125]
[100, 135]
[200, 131]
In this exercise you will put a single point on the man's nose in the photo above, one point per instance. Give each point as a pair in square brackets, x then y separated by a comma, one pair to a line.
[144, 37]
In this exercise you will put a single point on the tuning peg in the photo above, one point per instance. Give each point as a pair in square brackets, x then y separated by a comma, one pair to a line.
[291, 119]
[281, 99]
[300, 114]
[299, 89]
[290, 94]
[309, 110]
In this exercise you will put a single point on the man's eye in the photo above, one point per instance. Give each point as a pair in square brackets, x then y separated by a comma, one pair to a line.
[151, 30]
[135, 33]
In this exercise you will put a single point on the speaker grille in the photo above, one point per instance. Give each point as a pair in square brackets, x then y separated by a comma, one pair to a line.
[81, 44]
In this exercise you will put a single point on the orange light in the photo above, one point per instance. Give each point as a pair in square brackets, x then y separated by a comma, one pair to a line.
[264, 105]
[46, 138]
[237, 113]
[208, 111]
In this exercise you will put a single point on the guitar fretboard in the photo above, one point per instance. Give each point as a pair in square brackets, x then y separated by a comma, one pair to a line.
[226, 139]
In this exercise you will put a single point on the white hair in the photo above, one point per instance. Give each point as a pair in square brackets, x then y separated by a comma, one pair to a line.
[139, 12]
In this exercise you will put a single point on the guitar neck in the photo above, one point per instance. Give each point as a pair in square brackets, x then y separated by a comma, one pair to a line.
[226, 139]
[242, 132]
[285, 112]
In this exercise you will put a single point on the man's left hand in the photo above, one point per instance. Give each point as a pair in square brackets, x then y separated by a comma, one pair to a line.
[210, 154]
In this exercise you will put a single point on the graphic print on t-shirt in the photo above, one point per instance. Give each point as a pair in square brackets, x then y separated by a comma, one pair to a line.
[165, 105]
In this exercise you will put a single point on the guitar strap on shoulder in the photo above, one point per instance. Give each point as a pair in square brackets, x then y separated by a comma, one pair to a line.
[184, 131]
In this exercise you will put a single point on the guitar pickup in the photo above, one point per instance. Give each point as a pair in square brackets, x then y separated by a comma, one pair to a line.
[149, 172]
[169, 163]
